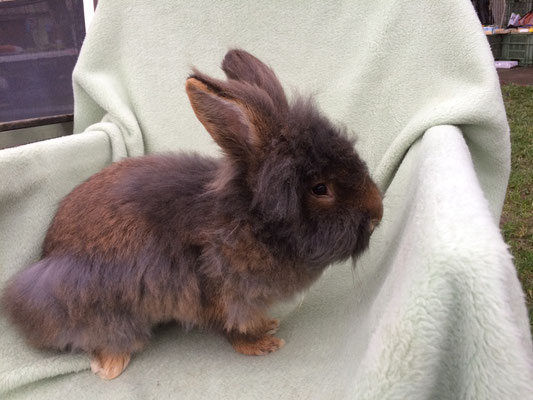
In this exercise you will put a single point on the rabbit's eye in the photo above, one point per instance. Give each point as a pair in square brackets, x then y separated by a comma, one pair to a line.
[320, 189]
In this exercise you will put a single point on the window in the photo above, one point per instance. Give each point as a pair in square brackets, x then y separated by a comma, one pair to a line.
[39, 45]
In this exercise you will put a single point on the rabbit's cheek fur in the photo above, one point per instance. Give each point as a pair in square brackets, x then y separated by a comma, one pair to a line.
[322, 203]
[333, 240]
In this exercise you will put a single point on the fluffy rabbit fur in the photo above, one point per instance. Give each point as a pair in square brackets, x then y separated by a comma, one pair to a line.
[207, 242]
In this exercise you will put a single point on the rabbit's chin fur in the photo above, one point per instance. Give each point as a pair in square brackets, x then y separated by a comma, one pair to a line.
[206, 242]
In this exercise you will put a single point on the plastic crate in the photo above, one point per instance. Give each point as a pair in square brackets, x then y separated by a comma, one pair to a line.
[517, 47]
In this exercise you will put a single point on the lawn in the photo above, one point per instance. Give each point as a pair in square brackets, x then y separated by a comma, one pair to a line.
[517, 217]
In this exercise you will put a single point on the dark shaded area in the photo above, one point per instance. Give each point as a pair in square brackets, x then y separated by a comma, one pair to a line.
[483, 11]
[39, 46]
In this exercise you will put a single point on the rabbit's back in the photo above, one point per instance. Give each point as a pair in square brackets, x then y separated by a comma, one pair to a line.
[116, 211]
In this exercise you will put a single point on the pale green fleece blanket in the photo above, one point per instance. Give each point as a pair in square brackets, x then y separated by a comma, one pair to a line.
[434, 309]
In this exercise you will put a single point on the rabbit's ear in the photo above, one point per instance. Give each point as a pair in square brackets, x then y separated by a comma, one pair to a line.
[224, 118]
[242, 66]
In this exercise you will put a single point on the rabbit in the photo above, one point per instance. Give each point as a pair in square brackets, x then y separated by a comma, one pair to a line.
[207, 242]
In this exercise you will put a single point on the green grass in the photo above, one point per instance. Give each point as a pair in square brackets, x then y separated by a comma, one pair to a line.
[517, 217]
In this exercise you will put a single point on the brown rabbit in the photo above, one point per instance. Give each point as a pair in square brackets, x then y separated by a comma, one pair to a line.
[207, 242]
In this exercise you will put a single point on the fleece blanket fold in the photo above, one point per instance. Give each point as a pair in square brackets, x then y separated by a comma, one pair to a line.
[434, 309]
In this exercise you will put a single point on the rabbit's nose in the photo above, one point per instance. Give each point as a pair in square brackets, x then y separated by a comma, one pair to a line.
[373, 204]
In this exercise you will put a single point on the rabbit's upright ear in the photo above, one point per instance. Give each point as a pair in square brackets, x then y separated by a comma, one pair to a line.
[224, 118]
[242, 66]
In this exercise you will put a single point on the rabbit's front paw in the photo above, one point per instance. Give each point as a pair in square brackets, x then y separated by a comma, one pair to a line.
[257, 346]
